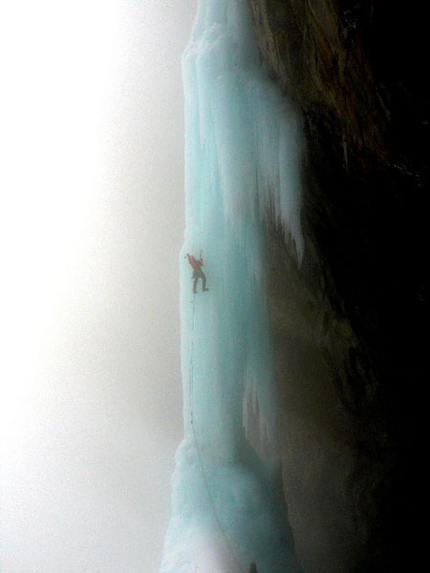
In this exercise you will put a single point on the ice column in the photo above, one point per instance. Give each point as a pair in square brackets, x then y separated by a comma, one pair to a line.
[242, 155]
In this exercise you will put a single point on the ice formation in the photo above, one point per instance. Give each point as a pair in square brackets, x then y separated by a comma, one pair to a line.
[242, 156]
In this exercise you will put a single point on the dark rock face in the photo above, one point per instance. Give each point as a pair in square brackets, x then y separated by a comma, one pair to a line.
[349, 323]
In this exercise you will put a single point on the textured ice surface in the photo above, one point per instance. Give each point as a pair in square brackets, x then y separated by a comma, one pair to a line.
[242, 156]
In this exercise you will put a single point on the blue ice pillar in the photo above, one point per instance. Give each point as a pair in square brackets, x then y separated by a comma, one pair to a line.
[242, 161]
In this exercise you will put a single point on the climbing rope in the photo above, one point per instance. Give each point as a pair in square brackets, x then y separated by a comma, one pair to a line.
[199, 453]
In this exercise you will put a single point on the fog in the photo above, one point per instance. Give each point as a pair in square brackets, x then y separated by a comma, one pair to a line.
[92, 223]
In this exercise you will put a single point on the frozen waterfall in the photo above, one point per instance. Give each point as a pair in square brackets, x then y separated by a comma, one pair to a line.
[242, 155]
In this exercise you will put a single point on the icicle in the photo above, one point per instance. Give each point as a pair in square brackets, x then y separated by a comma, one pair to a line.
[345, 151]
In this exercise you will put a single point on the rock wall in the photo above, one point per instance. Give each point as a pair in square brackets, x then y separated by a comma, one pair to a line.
[349, 322]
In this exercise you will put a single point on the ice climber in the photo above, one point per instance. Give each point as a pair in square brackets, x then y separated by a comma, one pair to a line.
[197, 272]
[253, 568]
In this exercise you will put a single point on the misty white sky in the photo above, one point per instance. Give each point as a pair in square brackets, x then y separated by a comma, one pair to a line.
[91, 224]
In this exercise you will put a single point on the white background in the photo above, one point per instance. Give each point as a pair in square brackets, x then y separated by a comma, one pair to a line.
[91, 226]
